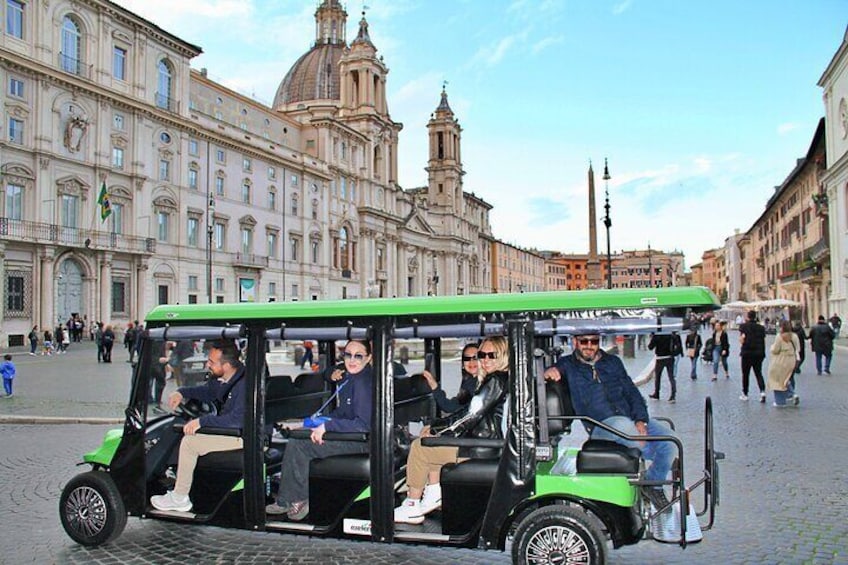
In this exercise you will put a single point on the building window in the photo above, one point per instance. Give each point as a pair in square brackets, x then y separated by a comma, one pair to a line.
[272, 200]
[315, 209]
[163, 220]
[220, 234]
[220, 155]
[272, 173]
[294, 181]
[164, 169]
[192, 282]
[294, 244]
[118, 121]
[295, 293]
[219, 285]
[15, 18]
[245, 193]
[117, 217]
[294, 205]
[315, 250]
[14, 202]
[15, 295]
[16, 131]
[192, 147]
[69, 211]
[16, 87]
[272, 245]
[247, 164]
[119, 297]
[192, 178]
[219, 186]
[193, 227]
[71, 46]
[380, 260]
[192, 299]
[164, 93]
[272, 289]
[119, 63]
[162, 293]
[117, 157]
[246, 240]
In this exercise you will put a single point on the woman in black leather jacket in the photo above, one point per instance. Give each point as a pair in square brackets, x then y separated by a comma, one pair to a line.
[481, 418]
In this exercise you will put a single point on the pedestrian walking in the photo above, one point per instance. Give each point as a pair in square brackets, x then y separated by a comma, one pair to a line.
[821, 343]
[66, 340]
[7, 369]
[665, 349]
[33, 340]
[721, 348]
[802, 339]
[129, 340]
[835, 324]
[752, 336]
[98, 340]
[781, 371]
[108, 342]
[693, 347]
[47, 344]
[307, 355]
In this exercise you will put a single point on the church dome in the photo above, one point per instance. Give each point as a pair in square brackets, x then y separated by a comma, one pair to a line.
[315, 76]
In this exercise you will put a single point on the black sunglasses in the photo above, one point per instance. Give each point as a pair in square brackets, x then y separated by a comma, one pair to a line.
[467, 358]
[588, 340]
[487, 355]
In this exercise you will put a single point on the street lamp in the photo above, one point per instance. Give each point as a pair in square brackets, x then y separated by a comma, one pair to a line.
[650, 268]
[210, 231]
[607, 222]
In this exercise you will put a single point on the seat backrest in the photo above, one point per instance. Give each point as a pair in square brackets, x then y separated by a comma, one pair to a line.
[413, 400]
[558, 403]
[309, 382]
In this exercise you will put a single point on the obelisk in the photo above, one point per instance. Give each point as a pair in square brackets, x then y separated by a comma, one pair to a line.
[593, 265]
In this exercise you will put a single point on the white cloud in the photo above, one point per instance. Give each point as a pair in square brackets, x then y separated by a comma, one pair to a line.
[787, 127]
[546, 42]
[621, 7]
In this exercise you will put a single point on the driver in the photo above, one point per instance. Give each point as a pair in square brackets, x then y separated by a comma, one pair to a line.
[228, 389]
[601, 389]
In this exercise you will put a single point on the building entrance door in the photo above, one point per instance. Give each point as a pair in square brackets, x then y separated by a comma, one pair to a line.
[69, 295]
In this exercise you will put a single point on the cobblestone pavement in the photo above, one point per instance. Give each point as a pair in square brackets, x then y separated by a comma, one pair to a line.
[784, 498]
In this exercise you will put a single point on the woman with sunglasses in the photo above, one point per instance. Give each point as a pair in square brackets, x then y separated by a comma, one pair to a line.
[481, 418]
[354, 392]
[466, 388]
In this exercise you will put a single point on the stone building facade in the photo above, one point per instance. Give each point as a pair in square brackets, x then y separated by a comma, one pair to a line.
[213, 195]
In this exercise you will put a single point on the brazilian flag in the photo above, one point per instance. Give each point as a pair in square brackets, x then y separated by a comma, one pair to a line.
[103, 201]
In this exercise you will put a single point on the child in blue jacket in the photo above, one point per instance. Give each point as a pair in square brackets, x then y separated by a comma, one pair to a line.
[7, 369]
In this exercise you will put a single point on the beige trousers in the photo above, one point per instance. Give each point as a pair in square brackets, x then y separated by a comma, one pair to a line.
[423, 459]
[193, 447]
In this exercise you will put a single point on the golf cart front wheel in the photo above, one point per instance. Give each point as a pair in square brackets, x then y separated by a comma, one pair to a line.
[558, 535]
[91, 509]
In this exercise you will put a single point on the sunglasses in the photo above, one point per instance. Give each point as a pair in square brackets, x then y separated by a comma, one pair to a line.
[588, 340]
[487, 355]
[356, 356]
[467, 358]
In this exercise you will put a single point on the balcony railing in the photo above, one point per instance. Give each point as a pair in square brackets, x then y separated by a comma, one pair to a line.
[74, 66]
[166, 102]
[250, 260]
[820, 251]
[52, 234]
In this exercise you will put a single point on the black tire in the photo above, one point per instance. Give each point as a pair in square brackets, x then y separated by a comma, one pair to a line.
[558, 535]
[91, 509]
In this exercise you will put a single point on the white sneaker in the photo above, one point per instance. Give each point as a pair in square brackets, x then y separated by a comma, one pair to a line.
[171, 501]
[743, 397]
[409, 512]
[432, 499]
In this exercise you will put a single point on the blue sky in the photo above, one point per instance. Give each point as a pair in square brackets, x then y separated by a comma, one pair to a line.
[701, 106]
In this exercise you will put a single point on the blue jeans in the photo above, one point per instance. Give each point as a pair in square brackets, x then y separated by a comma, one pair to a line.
[694, 373]
[7, 385]
[782, 396]
[827, 359]
[660, 453]
[717, 356]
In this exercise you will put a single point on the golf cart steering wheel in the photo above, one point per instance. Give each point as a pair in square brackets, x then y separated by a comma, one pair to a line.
[192, 408]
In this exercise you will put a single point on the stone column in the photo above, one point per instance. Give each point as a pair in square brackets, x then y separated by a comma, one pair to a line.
[105, 313]
[140, 288]
[47, 281]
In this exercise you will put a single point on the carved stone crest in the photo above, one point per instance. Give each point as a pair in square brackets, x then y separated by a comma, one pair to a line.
[75, 129]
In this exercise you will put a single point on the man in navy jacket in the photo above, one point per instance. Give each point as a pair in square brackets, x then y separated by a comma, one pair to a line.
[601, 389]
[227, 387]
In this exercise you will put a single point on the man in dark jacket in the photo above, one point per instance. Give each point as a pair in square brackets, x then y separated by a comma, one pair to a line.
[601, 389]
[228, 387]
[821, 342]
[752, 335]
[666, 348]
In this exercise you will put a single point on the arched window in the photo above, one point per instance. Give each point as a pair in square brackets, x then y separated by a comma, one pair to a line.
[344, 263]
[164, 85]
[71, 46]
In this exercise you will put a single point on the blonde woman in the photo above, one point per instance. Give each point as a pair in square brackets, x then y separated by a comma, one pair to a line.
[785, 351]
[481, 418]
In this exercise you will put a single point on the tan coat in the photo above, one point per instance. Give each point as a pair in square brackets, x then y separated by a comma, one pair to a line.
[782, 361]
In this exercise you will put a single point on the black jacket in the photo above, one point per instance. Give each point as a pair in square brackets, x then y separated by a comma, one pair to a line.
[755, 339]
[482, 417]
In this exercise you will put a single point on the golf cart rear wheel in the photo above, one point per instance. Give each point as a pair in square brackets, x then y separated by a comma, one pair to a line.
[91, 509]
[558, 535]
